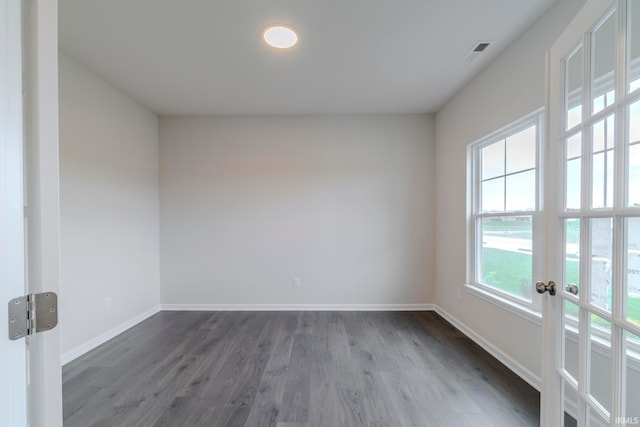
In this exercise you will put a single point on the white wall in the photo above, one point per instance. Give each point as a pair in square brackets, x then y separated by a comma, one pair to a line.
[109, 207]
[345, 203]
[509, 88]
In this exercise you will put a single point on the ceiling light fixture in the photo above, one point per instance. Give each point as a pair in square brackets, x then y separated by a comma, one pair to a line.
[280, 36]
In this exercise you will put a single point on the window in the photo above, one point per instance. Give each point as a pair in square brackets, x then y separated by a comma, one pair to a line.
[505, 213]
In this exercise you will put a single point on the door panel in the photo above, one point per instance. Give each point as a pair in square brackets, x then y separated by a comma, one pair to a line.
[40, 19]
[594, 223]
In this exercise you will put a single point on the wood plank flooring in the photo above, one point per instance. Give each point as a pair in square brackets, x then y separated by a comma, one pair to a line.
[294, 369]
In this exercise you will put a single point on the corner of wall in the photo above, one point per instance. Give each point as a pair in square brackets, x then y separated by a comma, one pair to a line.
[109, 205]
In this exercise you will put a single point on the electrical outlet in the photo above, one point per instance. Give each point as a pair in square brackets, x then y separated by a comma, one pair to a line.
[296, 282]
[107, 303]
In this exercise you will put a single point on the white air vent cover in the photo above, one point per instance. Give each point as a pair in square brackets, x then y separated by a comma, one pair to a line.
[477, 49]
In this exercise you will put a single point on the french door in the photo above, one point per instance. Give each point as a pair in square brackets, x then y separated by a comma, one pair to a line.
[592, 324]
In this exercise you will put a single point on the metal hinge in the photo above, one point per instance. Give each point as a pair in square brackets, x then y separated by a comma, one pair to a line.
[32, 313]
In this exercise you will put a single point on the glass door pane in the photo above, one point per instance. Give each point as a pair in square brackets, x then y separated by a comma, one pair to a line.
[603, 137]
[573, 172]
[601, 251]
[600, 361]
[633, 46]
[633, 155]
[574, 84]
[595, 419]
[631, 411]
[571, 352]
[572, 257]
[632, 267]
[603, 61]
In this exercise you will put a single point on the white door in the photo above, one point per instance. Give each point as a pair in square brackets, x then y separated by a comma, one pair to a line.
[592, 325]
[30, 373]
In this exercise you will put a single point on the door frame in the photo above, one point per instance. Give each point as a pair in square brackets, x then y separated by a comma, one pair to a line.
[13, 391]
[42, 210]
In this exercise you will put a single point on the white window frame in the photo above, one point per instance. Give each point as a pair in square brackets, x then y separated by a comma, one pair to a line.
[530, 310]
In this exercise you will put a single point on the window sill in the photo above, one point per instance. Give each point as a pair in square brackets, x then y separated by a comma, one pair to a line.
[519, 310]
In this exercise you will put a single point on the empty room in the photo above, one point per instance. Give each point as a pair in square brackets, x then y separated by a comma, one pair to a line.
[380, 213]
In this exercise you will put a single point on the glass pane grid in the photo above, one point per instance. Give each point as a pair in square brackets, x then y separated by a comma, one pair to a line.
[611, 232]
[505, 200]
[508, 180]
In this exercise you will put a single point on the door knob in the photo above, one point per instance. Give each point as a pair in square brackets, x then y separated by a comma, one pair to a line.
[541, 288]
[572, 288]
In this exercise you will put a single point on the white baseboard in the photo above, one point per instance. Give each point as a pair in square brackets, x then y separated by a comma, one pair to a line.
[101, 339]
[534, 380]
[297, 307]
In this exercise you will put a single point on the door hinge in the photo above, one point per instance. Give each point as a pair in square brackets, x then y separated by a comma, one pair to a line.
[32, 313]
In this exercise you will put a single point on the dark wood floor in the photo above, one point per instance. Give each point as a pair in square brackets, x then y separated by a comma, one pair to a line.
[294, 369]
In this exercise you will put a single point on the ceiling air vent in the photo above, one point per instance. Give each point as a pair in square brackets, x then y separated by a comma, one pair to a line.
[477, 49]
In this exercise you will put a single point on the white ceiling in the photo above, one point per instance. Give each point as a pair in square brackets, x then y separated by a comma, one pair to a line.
[354, 56]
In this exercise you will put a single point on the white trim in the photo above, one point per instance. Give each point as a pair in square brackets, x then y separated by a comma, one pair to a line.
[13, 374]
[534, 380]
[508, 304]
[106, 336]
[298, 307]
[507, 130]
[475, 213]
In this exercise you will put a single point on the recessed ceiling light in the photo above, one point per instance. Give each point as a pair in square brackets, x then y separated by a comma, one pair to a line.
[280, 36]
